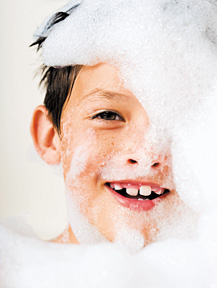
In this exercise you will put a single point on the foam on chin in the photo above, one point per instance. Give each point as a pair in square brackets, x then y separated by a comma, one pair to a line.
[82, 229]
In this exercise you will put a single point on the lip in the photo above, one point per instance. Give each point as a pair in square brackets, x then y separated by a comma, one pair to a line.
[134, 204]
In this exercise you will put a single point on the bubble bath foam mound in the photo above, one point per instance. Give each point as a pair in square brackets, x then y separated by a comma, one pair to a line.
[28, 262]
[166, 52]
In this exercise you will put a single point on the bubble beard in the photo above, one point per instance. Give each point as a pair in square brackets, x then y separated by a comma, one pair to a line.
[178, 220]
[181, 223]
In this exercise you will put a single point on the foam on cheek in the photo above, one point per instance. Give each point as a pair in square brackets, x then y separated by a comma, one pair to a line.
[176, 221]
[78, 163]
[195, 157]
[77, 197]
[167, 220]
[82, 229]
[79, 154]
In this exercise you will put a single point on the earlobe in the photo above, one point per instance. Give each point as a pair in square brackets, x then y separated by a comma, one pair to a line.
[45, 136]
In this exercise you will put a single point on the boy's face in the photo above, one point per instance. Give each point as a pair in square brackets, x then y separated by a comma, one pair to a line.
[107, 159]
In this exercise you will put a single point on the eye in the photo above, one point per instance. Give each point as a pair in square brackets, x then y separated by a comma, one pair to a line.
[108, 116]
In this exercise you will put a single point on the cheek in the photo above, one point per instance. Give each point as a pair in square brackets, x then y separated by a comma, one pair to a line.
[85, 150]
[82, 151]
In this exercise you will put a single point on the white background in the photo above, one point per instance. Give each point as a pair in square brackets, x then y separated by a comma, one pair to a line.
[27, 188]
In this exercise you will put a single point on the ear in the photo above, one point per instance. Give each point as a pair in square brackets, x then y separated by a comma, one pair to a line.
[45, 136]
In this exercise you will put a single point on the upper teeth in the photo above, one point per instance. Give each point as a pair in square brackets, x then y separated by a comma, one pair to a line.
[158, 191]
[132, 191]
[117, 187]
[145, 190]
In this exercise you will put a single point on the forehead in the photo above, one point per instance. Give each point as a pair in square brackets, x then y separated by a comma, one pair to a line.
[102, 76]
[94, 79]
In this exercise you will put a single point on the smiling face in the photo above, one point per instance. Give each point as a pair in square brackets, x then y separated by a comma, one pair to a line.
[111, 172]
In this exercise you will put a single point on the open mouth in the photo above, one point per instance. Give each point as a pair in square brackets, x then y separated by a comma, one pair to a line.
[143, 192]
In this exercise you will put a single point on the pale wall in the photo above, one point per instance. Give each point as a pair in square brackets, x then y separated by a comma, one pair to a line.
[26, 187]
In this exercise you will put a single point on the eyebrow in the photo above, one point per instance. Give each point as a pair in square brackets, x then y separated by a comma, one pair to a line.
[106, 94]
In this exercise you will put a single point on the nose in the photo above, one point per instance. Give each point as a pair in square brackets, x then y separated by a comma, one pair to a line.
[155, 163]
[144, 148]
[142, 152]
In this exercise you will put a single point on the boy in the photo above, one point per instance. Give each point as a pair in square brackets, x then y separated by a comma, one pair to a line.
[102, 132]
[112, 145]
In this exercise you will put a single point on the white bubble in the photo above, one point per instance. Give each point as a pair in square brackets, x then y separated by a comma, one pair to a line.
[131, 239]
[195, 158]
[82, 229]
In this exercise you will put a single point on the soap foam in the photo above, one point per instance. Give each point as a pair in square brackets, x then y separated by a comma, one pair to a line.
[166, 54]
[31, 263]
[194, 158]
[82, 229]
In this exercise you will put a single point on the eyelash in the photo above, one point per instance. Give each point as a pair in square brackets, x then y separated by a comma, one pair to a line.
[105, 114]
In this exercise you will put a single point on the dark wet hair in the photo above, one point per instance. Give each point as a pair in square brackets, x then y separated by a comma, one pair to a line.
[58, 81]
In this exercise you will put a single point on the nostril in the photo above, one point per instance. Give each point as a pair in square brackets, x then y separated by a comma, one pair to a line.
[132, 161]
[157, 164]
